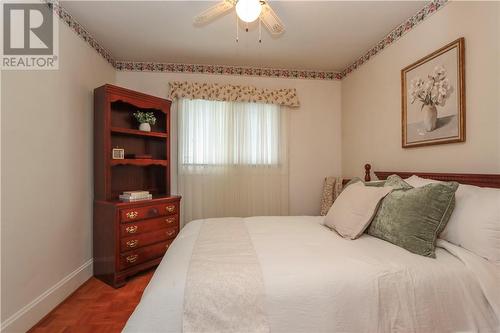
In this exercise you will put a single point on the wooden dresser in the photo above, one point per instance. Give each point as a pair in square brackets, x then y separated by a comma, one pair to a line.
[131, 236]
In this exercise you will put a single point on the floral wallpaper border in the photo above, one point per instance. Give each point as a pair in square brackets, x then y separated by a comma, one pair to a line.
[397, 33]
[79, 29]
[138, 66]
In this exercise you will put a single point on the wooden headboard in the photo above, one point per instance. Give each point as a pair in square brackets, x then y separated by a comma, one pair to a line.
[482, 180]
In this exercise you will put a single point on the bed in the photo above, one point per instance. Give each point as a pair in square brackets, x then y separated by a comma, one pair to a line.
[293, 274]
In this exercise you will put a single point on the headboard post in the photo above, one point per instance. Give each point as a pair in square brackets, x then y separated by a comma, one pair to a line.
[368, 167]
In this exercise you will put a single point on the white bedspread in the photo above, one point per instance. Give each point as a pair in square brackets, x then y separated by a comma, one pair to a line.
[316, 281]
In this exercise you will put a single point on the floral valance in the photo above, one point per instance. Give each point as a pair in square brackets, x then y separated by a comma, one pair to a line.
[233, 93]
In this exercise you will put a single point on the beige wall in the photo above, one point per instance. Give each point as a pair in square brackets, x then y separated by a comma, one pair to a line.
[314, 148]
[47, 190]
[371, 97]
[46, 141]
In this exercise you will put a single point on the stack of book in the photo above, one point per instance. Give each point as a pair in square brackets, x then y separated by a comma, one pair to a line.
[130, 196]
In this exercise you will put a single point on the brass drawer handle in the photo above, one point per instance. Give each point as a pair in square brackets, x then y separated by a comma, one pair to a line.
[170, 233]
[170, 209]
[132, 258]
[132, 243]
[132, 215]
[132, 229]
[170, 220]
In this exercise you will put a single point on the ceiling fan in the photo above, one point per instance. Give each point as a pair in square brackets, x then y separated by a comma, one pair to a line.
[247, 11]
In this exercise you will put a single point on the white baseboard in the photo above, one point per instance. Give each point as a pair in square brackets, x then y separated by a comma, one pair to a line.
[29, 315]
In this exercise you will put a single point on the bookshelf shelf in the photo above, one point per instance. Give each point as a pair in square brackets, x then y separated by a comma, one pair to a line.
[139, 162]
[115, 127]
[133, 132]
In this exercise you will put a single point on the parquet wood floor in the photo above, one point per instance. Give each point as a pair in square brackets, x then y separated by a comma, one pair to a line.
[95, 307]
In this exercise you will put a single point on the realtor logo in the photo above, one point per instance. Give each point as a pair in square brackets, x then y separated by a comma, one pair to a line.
[29, 36]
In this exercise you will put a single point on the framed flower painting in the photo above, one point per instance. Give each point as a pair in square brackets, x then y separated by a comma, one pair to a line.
[433, 98]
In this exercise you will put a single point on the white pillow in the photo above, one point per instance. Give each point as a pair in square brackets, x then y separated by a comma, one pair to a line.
[417, 181]
[354, 209]
[475, 221]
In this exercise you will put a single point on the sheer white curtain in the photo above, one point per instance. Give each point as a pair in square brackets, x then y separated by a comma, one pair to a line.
[232, 159]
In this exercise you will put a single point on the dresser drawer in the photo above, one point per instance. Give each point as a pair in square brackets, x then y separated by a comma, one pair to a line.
[143, 254]
[140, 227]
[135, 242]
[147, 212]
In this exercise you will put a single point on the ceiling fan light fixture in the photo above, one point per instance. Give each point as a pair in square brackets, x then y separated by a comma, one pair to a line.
[248, 10]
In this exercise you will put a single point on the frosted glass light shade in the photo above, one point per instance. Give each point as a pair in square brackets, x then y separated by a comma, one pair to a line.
[248, 10]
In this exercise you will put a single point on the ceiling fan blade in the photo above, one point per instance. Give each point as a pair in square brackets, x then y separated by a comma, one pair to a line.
[271, 20]
[215, 11]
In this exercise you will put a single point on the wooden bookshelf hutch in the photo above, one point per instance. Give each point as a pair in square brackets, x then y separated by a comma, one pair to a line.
[131, 236]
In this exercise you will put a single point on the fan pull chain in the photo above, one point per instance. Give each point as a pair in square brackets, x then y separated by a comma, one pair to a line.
[260, 31]
[237, 29]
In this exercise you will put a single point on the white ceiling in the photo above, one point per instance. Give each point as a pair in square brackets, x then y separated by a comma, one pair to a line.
[320, 35]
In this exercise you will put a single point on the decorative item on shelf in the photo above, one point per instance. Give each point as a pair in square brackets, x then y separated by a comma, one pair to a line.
[118, 153]
[131, 196]
[433, 93]
[145, 119]
[140, 156]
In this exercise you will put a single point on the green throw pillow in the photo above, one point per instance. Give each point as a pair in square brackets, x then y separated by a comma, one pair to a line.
[412, 218]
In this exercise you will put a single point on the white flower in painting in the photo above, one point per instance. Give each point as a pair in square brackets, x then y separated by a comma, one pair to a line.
[439, 73]
[416, 88]
[433, 91]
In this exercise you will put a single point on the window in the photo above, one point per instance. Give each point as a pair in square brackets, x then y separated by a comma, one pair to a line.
[232, 159]
[229, 133]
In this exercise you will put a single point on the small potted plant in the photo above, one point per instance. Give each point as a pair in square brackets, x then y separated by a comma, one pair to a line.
[145, 119]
